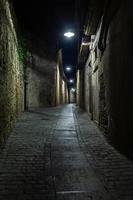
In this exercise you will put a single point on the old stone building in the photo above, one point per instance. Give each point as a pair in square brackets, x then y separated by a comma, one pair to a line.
[11, 71]
[29, 78]
[72, 94]
[90, 80]
[53, 54]
[104, 80]
[39, 75]
[62, 93]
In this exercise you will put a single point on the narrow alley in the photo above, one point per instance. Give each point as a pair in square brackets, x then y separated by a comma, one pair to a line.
[57, 153]
[66, 100]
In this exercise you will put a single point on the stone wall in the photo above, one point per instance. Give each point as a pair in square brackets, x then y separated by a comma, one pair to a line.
[72, 96]
[94, 84]
[61, 91]
[87, 88]
[40, 81]
[78, 88]
[103, 117]
[117, 61]
[11, 72]
[80, 100]
[114, 66]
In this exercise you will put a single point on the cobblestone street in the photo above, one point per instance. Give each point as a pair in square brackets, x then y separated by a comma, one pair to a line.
[58, 153]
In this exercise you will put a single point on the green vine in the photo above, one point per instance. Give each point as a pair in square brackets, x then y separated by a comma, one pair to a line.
[22, 49]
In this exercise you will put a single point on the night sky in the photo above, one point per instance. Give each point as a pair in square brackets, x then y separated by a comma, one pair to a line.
[48, 20]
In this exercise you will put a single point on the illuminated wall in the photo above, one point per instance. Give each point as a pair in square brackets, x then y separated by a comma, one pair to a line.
[61, 85]
[11, 72]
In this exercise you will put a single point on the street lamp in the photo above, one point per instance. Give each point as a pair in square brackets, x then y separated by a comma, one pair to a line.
[86, 40]
[69, 34]
[68, 68]
[71, 81]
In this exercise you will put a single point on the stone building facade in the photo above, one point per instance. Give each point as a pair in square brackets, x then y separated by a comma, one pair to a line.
[28, 77]
[40, 81]
[11, 72]
[94, 83]
[105, 71]
[40, 69]
[62, 95]
[72, 94]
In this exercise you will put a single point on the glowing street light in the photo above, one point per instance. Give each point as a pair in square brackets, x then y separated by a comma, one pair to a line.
[69, 34]
[68, 68]
[71, 81]
[85, 43]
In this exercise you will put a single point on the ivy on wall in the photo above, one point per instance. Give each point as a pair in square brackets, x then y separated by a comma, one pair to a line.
[22, 49]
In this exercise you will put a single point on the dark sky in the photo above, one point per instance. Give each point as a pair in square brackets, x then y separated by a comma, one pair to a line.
[48, 20]
[37, 15]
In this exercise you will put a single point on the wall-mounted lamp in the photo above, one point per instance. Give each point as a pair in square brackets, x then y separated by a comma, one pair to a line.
[86, 40]
[85, 44]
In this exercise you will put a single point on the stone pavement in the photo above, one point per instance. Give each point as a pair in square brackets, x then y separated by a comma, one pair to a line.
[59, 154]
[113, 169]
